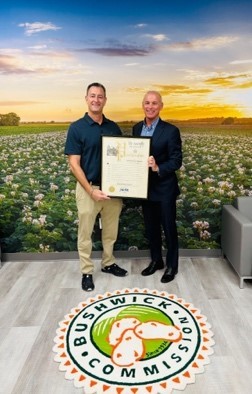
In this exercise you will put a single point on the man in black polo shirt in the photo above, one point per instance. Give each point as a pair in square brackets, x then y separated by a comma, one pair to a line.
[83, 147]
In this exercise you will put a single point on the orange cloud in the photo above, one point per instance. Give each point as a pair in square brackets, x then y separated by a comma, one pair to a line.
[19, 103]
[225, 81]
[7, 66]
[184, 112]
[180, 112]
[202, 43]
[245, 85]
[135, 90]
[166, 90]
[52, 54]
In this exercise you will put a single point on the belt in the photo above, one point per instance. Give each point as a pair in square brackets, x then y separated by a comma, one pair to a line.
[95, 184]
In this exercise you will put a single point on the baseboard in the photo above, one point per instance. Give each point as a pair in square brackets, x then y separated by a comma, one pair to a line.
[8, 257]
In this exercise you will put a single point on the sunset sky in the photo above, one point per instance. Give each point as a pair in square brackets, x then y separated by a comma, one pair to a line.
[197, 54]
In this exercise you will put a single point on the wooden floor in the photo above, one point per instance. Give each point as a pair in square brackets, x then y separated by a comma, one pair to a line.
[35, 296]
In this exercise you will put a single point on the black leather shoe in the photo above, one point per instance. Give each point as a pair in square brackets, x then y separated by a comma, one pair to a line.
[152, 268]
[87, 283]
[169, 275]
[114, 269]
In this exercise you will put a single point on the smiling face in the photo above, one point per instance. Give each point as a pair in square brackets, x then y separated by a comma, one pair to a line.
[152, 105]
[96, 100]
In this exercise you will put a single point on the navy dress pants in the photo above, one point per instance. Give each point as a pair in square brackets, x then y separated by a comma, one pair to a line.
[160, 223]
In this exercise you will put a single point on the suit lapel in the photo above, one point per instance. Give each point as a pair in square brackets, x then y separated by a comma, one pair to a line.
[158, 131]
[139, 129]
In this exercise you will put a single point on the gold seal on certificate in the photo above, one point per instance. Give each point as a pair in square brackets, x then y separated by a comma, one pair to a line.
[124, 166]
[111, 189]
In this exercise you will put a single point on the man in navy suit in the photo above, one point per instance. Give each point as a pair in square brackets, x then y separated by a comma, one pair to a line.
[159, 210]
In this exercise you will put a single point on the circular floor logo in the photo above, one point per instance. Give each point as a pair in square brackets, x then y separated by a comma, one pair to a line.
[133, 341]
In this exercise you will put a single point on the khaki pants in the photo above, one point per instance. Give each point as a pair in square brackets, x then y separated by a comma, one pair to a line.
[88, 209]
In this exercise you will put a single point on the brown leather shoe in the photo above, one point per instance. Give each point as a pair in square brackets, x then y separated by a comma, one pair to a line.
[152, 268]
[169, 275]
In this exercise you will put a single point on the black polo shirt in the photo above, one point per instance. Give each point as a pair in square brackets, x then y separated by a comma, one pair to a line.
[84, 139]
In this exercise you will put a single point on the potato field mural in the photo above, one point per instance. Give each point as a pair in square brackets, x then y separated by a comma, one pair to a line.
[37, 190]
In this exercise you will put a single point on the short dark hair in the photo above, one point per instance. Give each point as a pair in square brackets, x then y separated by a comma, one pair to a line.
[97, 85]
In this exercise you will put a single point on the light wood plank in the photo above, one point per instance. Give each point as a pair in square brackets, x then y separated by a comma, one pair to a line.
[14, 351]
[35, 296]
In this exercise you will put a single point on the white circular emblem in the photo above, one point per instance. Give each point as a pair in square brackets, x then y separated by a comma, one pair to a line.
[133, 341]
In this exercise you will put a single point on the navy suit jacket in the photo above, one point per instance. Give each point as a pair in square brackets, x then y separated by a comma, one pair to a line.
[166, 147]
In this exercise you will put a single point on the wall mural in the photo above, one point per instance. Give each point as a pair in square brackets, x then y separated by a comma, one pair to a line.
[196, 56]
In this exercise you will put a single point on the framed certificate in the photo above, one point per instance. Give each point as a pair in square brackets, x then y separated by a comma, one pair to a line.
[125, 170]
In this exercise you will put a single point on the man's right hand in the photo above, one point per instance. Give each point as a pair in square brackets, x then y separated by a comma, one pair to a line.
[99, 195]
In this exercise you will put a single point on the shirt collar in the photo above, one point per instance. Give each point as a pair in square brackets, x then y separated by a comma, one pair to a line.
[153, 124]
[91, 121]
